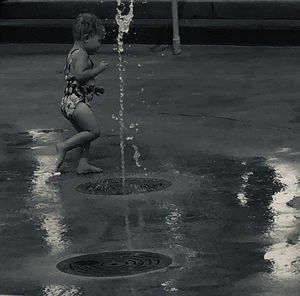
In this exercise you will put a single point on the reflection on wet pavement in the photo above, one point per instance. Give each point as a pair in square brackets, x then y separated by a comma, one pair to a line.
[170, 286]
[173, 221]
[242, 197]
[284, 231]
[45, 205]
[54, 290]
[223, 221]
[44, 202]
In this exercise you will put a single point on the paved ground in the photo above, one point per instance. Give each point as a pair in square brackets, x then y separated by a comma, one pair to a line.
[220, 123]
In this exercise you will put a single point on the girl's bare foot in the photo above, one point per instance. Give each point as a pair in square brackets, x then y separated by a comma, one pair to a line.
[87, 168]
[61, 153]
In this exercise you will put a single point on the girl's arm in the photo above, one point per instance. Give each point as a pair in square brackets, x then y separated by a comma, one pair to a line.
[81, 69]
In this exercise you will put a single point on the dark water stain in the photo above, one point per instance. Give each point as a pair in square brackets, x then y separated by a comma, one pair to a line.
[238, 228]
[208, 218]
[204, 115]
[7, 126]
[296, 119]
[24, 140]
[252, 177]
[18, 139]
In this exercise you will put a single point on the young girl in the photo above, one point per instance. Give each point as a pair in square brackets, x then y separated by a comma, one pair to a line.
[80, 72]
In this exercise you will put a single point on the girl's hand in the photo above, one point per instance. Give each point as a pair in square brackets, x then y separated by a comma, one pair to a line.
[102, 66]
[99, 91]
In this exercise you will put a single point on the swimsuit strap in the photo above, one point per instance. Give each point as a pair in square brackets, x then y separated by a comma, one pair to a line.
[92, 63]
[69, 55]
[74, 50]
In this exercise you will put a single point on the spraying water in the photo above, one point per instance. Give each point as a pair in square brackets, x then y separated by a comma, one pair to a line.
[123, 22]
[136, 156]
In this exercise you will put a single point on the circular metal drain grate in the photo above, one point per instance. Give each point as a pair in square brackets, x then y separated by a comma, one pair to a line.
[132, 185]
[114, 264]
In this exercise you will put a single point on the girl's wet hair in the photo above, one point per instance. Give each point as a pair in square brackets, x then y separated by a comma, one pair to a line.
[87, 24]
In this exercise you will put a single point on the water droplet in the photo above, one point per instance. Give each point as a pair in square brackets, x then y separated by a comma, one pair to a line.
[283, 149]
[139, 65]
[115, 117]
[136, 155]
[132, 125]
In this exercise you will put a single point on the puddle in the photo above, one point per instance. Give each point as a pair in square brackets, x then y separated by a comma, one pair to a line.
[33, 172]
[284, 233]
[32, 139]
[241, 213]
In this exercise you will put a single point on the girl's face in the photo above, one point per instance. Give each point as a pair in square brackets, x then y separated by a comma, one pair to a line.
[92, 44]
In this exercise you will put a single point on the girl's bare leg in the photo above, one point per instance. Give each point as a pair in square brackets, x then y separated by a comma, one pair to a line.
[73, 142]
[84, 120]
[83, 166]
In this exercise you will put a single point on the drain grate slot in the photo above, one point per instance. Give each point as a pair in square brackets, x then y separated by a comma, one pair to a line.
[132, 186]
[114, 264]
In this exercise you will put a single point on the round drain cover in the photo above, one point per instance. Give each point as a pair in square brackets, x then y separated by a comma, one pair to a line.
[113, 264]
[132, 185]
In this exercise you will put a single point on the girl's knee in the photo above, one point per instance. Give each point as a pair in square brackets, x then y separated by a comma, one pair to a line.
[95, 133]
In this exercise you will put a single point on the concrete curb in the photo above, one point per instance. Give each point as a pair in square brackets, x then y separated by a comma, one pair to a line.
[274, 22]
[238, 32]
[105, 9]
[154, 9]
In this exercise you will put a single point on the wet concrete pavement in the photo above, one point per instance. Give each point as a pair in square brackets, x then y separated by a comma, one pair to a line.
[220, 123]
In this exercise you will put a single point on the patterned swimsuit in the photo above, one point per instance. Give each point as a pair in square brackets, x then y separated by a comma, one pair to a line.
[75, 92]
